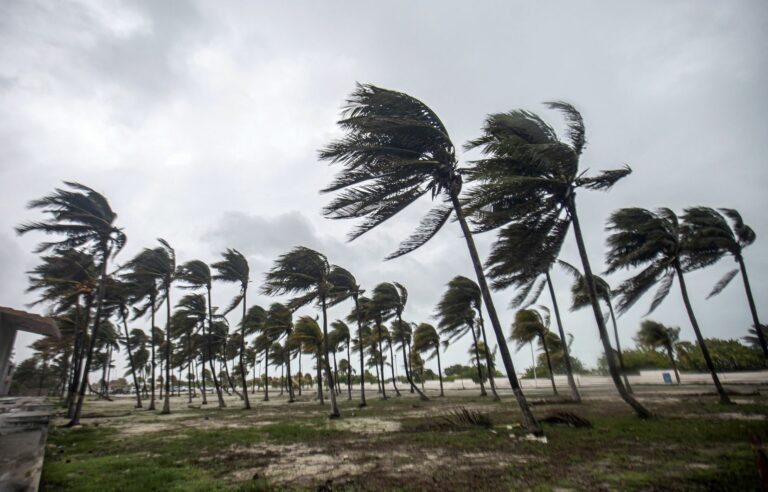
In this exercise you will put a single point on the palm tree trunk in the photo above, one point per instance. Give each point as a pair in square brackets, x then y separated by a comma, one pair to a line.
[392, 367]
[439, 370]
[152, 343]
[378, 377]
[319, 377]
[752, 308]
[618, 346]
[266, 374]
[167, 401]
[674, 364]
[529, 421]
[704, 350]
[381, 362]
[566, 355]
[78, 358]
[349, 369]
[362, 352]
[130, 362]
[282, 381]
[202, 374]
[94, 334]
[210, 352]
[289, 381]
[549, 364]
[477, 360]
[336, 374]
[301, 374]
[488, 361]
[328, 374]
[409, 376]
[242, 354]
[612, 369]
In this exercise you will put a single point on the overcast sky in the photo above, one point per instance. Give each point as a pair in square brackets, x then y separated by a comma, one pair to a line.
[201, 124]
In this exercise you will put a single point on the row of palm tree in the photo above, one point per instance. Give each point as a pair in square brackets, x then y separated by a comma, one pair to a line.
[395, 149]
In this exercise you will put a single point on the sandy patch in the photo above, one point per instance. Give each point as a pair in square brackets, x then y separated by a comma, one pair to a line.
[365, 425]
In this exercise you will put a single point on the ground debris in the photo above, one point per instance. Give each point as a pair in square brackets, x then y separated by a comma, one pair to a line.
[567, 418]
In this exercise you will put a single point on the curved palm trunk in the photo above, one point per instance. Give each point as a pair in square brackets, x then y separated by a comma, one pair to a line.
[392, 367]
[319, 377]
[439, 370]
[699, 337]
[229, 377]
[408, 374]
[301, 374]
[242, 356]
[130, 361]
[349, 369]
[612, 369]
[549, 364]
[328, 374]
[674, 364]
[378, 377]
[282, 381]
[336, 374]
[289, 380]
[152, 342]
[618, 346]
[94, 334]
[190, 379]
[529, 421]
[77, 353]
[752, 308]
[167, 401]
[266, 374]
[210, 353]
[477, 360]
[488, 361]
[381, 362]
[566, 355]
[362, 353]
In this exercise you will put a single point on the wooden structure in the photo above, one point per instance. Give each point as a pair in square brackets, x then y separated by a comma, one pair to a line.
[11, 321]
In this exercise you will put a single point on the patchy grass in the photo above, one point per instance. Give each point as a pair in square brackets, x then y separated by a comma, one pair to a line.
[396, 444]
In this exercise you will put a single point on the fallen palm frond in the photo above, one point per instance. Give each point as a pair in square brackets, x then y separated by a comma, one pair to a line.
[567, 418]
[463, 417]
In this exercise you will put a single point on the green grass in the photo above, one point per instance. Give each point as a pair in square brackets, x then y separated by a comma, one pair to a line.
[688, 448]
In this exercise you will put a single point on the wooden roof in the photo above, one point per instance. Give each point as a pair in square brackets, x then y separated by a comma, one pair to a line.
[33, 323]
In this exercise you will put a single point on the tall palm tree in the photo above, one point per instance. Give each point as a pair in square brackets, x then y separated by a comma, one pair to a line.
[395, 151]
[343, 339]
[656, 242]
[580, 300]
[194, 275]
[344, 286]
[425, 338]
[390, 299]
[68, 279]
[307, 334]
[529, 176]
[86, 220]
[234, 268]
[530, 325]
[117, 297]
[456, 316]
[363, 315]
[518, 260]
[653, 334]
[306, 273]
[710, 232]
[278, 323]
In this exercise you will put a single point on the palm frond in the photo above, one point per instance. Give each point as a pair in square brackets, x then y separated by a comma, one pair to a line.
[723, 283]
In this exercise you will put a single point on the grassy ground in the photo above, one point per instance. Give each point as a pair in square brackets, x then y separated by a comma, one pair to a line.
[405, 444]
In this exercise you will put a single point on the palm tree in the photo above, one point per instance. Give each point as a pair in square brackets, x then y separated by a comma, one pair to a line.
[425, 338]
[117, 297]
[342, 338]
[307, 273]
[395, 151]
[456, 315]
[517, 260]
[344, 286]
[753, 339]
[530, 325]
[655, 241]
[234, 268]
[390, 298]
[709, 232]
[363, 315]
[528, 176]
[278, 323]
[194, 275]
[580, 299]
[86, 220]
[307, 333]
[66, 279]
[653, 334]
